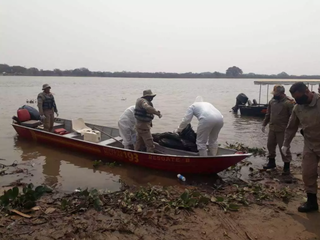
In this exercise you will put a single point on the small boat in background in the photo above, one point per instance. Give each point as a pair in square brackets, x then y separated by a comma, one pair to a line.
[254, 108]
[248, 108]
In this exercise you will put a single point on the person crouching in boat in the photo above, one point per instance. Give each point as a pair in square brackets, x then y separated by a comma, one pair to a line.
[209, 126]
[144, 113]
[126, 126]
[278, 114]
[47, 107]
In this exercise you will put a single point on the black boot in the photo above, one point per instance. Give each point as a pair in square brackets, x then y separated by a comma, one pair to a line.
[286, 169]
[271, 164]
[311, 204]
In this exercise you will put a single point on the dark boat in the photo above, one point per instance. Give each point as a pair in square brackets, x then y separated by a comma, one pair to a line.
[256, 109]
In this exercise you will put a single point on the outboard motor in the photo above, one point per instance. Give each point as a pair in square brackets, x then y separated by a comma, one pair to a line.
[241, 99]
[34, 114]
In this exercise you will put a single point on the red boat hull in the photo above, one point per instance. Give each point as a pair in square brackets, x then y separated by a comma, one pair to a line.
[172, 163]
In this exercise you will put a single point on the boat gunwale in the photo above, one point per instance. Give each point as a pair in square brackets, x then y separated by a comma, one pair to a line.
[134, 151]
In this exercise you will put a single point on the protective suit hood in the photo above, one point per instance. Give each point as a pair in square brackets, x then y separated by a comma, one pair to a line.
[198, 99]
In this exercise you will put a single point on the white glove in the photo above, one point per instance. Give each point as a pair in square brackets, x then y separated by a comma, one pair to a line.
[42, 117]
[284, 150]
[263, 129]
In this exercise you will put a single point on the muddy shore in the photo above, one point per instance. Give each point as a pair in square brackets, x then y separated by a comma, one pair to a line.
[262, 207]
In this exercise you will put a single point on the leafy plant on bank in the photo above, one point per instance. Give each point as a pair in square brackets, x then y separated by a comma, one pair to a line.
[189, 199]
[26, 199]
[139, 200]
[84, 200]
[96, 163]
[251, 194]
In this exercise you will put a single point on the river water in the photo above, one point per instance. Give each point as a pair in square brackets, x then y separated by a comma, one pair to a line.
[101, 101]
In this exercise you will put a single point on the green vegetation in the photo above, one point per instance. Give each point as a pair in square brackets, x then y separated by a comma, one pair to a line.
[142, 199]
[98, 163]
[241, 147]
[134, 200]
[13, 199]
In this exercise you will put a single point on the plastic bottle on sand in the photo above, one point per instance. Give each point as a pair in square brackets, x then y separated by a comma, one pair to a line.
[182, 178]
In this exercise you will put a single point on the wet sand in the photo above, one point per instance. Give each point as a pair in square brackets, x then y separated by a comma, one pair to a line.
[271, 213]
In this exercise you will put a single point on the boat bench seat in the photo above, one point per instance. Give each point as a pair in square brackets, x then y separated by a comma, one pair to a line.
[71, 135]
[55, 125]
[58, 125]
[110, 141]
[31, 123]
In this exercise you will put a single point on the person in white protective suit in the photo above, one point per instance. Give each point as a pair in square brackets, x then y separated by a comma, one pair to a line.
[126, 126]
[209, 126]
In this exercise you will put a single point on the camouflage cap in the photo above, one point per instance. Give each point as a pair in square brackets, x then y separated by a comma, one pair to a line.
[148, 93]
[277, 89]
[44, 86]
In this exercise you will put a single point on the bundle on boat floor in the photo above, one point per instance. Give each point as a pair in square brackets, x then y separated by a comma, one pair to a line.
[186, 140]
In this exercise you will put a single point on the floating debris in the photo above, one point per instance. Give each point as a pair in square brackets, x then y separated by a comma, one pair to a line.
[31, 101]
[242, 148]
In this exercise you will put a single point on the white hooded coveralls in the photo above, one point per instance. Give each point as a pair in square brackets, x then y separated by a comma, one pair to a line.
[126, 126]
[209, 126]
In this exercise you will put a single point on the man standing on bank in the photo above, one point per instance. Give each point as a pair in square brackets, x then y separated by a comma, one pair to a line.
[277, 116]
[307, 114]
[144, 113]
[47, 107]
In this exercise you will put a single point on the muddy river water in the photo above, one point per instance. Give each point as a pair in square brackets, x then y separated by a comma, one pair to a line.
[101, 101]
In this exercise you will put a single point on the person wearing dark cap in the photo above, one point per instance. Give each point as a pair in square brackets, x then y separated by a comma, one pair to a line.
[144, 113]
[47, 107]
[307, 114]
[277, 116]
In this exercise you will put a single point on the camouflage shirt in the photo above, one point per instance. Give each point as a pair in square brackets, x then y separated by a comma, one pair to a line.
[278, 114]
[308, 116]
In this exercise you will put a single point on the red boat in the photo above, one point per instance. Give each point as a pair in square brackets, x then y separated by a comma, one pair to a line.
[69, 134]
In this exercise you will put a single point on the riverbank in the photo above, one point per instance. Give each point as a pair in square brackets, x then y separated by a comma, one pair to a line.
[231, 73]
[263, 207]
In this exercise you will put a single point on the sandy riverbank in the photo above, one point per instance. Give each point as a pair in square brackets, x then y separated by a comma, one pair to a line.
[264, 207]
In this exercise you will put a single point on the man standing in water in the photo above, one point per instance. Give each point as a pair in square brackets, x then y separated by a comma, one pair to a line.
[307, 114]
[144, 113]
[277, 116]
[47, 107]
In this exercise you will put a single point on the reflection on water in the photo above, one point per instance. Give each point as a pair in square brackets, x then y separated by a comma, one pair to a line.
[58, 167]
[50, 164]
[100, 101]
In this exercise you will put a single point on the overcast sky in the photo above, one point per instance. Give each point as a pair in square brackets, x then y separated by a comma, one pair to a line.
[260, 36]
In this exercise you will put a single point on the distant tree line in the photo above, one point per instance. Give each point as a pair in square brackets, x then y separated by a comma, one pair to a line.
[231, 72]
